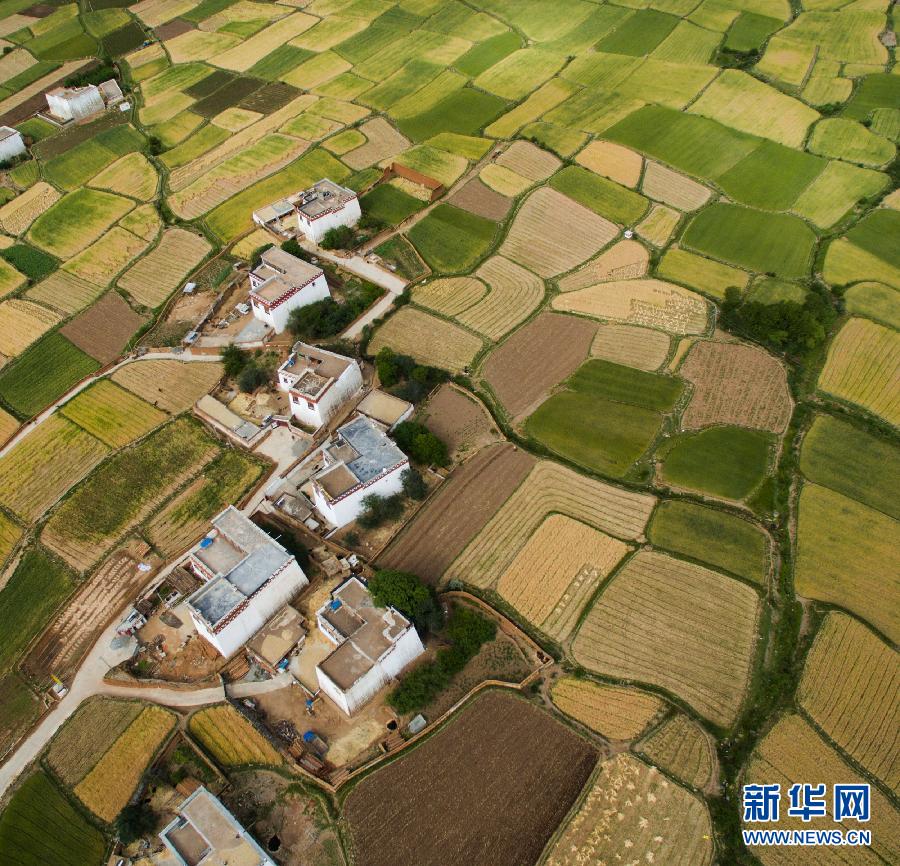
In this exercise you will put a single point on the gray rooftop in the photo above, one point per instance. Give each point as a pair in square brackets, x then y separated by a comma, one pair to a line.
[323, 196]
[365, 449]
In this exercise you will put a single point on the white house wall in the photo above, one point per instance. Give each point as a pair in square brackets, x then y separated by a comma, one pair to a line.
[277, 317]
[318, 414]
[11, 147]
[315, 230]
[343, 511]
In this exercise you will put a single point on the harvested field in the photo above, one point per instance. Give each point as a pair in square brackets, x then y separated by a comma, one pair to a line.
[159, 273]
[17, 215]
[614, 161]
[626, 260]
[678, 626]
[735, 384]
[562, 341]
[477, 198]
[427, 339]
[459, 420]
[514, 294]
[670, 187]
[552, 234]
[103, 330]
[230, 739]
[23, 322]
[90, 733]
[633, 811]
[536, 768]
[503, 181]
[834, 567]
[851, 689]
[171, 385]
[112, 414]
[549, 489]
[615, 712]
[457, 512]
[863, 367]
[557, 572]
[658, 225]
[653, 303]
[45, 464]
[65, 291]
[682, 748]
[70, 636]
[449, 296]
[132, 175]
[105, 258]
[108, 787]
[793, 752]
[631, 346]
[383, 142]
[143, 221]
[528, 160]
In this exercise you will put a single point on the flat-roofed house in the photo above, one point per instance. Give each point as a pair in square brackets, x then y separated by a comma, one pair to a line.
[325, 205]
[205, 833]
[373, 645]
[281, 283]
[76, 103]
[318, 383]
[12, 144]
[360, 459]
[248, 577]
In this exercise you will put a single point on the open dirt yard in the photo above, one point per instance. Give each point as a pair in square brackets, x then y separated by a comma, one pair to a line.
[626, 260]
[678, 626]
[518, 378]
[103, 330]
[735, 384]
[500, 777]
[480, 199]
[633, 814]
[459, 420]
[457, 512]
[98, 601]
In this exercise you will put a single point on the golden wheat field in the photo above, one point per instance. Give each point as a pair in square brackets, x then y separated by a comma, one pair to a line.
[658, 225]
[631, 814]
[528, 160]
[107, 788]
[557, 571]
[618, 163]
[230, 739]
[23, 322]
[449, 296]
[549, 488]
[851, 690]
[65, 291]
[171, 385]
[616, 712]
[17, 215]
[662, 184]
[132, 175]
[105, 258]
[630, 345]
[112, 414]
[677, 626]
[682, 748]
[625, 260]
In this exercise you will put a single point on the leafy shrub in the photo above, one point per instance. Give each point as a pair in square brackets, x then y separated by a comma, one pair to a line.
[327, 317]
[414, 484]
[338, 238]
[407, 593]
[420, 444]
[380, 509]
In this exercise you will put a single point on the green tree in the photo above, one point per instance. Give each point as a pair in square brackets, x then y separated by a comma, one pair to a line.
[338, 238]
[234, 360]
[414, 484]
[252, 377]
[419, 443]
[133, 822]
[408, 594]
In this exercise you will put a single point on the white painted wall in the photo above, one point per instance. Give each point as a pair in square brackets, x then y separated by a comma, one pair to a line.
[315, 230]
[343, 511]
[277, 316]
[11, 147]
[317, 413]
[75, 106]
[262, 607]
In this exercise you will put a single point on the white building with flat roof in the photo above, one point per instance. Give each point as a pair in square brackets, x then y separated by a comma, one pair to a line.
[318, 383]
[205, 833]
[325, 205]
[76, 103]
[373, 645]
[12, 145]
[248, 577]
[281, 283]
[360, 459]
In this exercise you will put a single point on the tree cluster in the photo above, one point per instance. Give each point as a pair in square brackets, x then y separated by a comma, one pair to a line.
[327, 317]
[381, 509]
[420, 444]
[406, 592]
[401, 376]
[92, 76]
[251, 371]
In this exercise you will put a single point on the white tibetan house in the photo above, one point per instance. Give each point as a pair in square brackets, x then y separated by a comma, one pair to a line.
[312, 212]
[76, 103]
[281, 283]
[248, 577]
[12, 145]
[360, 459]
[373, 646]
[318, 383]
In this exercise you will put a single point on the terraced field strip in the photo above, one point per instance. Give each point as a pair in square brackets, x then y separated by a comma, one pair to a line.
[682, 748]
[514, 294]
[625, 260]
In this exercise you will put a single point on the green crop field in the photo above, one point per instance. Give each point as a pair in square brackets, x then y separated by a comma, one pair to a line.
[639, 34]
[874, 301]
[112, 414]
[627, 385]
[879, 234]
[604, 197]
[763, 242]
[480, 58]
[750, 31]
[77, 220]
[44, 371]
[452, 240]
[466, 112]
[40, 826]
[724, 461]
[714, 537]
[400, 252]
[35, 264]
[389, 204]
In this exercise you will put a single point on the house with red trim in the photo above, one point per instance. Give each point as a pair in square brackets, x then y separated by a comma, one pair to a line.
[312, 212]
[318, 383]
[248, 577]
[281, 283]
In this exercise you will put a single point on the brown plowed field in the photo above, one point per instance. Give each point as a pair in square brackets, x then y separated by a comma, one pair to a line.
[537, 358]
[457, 512]
[736, 384]
[61, 648]
[480, 199]
[103, 330]
[491, 787]
[459, 420]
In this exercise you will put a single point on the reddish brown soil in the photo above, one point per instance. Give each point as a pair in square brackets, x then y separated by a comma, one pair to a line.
[480, 199]
[172, 28]
[457, 513]
[537, 358]
[459, 420]
[39, 10]
[490, 787]
[103, 329]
